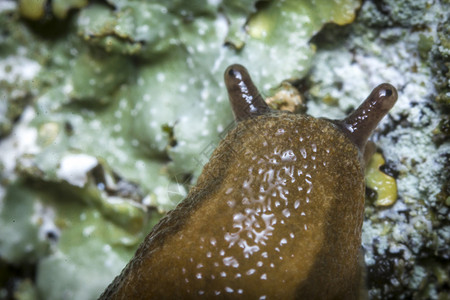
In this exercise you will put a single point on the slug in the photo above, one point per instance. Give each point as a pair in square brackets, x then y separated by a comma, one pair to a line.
[276, 213]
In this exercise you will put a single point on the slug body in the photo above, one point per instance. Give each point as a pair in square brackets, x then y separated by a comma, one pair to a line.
[277, 212]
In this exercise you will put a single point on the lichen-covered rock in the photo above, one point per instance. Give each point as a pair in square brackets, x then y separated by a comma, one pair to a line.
[163, 111]
[405, 244]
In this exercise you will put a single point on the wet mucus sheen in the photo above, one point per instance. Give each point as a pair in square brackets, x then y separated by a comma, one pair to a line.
[276, 213]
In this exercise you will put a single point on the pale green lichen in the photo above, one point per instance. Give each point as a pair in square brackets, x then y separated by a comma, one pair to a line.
[137, 28]
[67, 240]
[19, 229]
[134, 91]
[16, 89]
[26, 290]
[95, 77]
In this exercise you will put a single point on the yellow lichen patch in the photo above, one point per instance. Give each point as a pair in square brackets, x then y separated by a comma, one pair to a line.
[260, 26]
[383, 184]
[287, 98]
[32, 9]
[61, 8]
[330, 100]
[35, 9]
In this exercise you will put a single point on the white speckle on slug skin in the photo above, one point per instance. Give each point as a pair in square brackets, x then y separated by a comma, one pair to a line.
[250, 272]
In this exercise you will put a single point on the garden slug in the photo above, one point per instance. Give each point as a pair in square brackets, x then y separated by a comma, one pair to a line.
[276, 213]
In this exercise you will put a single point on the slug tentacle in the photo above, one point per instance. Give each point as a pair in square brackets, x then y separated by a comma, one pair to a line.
[245, 99]
[360, 124]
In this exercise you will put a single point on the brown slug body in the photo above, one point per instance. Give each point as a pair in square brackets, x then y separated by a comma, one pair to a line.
[276, 213]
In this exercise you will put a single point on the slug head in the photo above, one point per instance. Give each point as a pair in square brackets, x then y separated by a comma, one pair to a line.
[247, 103]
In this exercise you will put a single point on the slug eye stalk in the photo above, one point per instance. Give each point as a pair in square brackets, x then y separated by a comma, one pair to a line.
[246, 101]
[360, 124]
